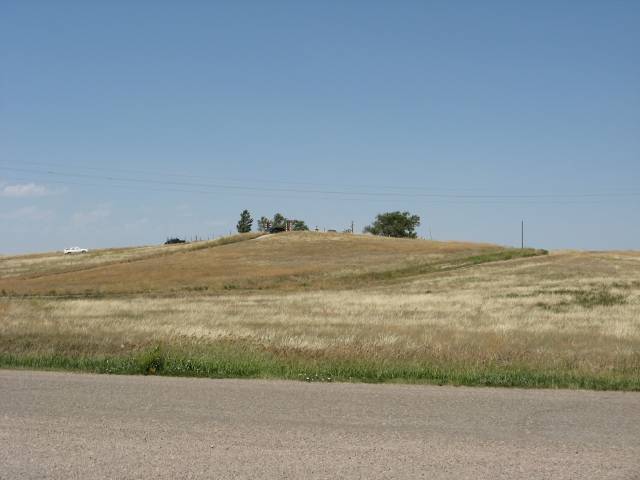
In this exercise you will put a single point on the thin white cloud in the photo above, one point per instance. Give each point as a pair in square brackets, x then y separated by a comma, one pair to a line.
[27, 190]
[23, 190]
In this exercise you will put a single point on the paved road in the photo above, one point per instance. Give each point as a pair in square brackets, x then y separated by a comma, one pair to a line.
[57, 425]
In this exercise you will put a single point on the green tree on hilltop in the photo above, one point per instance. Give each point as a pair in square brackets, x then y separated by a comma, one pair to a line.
[279, 221]
[299, 226]
[394, 224]
[245, 222]
[263, 224]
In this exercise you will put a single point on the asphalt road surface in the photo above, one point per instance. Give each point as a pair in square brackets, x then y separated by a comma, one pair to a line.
[68, 426]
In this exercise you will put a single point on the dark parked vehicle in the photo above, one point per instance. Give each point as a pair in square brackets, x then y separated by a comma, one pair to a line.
[173, 241]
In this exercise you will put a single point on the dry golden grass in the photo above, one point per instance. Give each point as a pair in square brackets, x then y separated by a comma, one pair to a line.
[52, 263]
[566, 313]
[525, 313]
[266, 261]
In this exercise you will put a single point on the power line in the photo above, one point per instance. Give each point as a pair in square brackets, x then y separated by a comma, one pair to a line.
[430, 201]
[277, 181]
[348, 194]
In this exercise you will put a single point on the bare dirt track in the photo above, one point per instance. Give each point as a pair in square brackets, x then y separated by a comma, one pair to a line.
[61, 425]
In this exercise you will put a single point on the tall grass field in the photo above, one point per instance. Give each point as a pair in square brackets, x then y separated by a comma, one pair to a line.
[329, 307]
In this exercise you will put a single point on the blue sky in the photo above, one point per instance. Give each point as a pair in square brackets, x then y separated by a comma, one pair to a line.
[122, 123]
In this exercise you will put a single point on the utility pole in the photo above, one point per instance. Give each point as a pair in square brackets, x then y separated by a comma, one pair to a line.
[522, 234]
[351, 226]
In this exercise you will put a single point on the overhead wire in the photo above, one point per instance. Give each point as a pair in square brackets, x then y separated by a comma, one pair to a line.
[196, 187]
[244, 180]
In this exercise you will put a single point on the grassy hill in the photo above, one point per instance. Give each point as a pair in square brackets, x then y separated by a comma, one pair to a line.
[285, 260]
[324, 307]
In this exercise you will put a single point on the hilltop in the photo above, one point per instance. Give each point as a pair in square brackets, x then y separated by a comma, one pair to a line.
[284, 260]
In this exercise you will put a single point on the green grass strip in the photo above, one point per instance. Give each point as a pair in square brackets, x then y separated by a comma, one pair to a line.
[233, 364]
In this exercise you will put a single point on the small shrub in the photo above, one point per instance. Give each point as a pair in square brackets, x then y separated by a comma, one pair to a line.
[151, 362]
[554, 307]
[197, 288]
[600, 297]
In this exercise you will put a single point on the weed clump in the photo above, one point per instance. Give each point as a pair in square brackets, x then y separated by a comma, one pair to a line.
[600, 297]
[151, 362]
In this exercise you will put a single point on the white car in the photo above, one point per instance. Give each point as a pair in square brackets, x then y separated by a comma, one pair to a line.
[75, 250]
